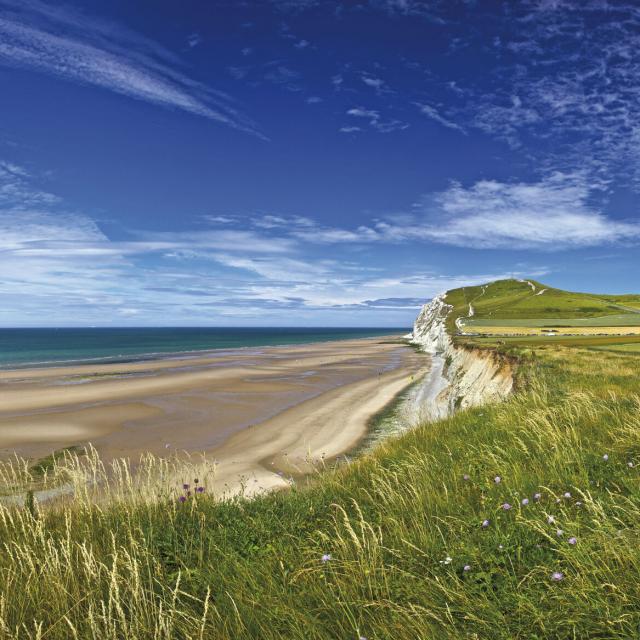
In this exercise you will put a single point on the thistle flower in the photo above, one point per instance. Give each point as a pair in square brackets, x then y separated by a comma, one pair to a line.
[556, 576]
[195, 481]
[326, 557]
[559, 533]
[485, 523]
[525, 502]
[605, 457]
[567, 494]
[185, 486]
[466, 476]
[537, 496]
[572, 540]
[506, 506]
[182, 499]
[467, 567]
[551, 519]
[497, 479]
[200, 489]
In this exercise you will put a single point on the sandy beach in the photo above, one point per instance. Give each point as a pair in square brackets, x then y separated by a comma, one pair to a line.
[263, 414]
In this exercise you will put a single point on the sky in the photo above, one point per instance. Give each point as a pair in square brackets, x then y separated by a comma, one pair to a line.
[310, 162]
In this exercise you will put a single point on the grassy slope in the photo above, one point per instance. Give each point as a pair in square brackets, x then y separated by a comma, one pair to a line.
[515, 300]
[389, 521]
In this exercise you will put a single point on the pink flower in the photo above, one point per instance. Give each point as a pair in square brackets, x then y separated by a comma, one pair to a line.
[556, 576]
[572, 540]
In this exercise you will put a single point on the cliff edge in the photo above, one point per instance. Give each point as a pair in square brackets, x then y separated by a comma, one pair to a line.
[462, 376]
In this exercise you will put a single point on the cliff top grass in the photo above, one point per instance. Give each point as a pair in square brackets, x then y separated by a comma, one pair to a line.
[515, 520]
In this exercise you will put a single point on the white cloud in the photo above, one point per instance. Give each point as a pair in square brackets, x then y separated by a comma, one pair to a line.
[60, 42]
[434, 114]
[375, 121]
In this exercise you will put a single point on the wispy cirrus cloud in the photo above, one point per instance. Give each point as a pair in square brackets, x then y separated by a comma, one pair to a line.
[70, 45]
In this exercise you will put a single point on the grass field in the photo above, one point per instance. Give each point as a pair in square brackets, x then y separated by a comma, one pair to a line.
[497, 330]
[616, 320]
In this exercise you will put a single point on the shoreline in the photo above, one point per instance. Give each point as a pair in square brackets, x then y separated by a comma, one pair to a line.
[284, 408]
[153, 356]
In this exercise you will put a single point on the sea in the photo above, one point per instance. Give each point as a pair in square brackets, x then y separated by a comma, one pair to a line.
[21, 348]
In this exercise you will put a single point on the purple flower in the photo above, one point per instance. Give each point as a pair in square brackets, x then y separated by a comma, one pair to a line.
[572, 540]
[326, 557]
[525, 502]
[506, 506]
[497, 479]
[485, 523]
[559, 533]
[182, 499]
[567, 494]
[556, 576]
[537, 496]
[605, 457]
[185, 486]
[200, 489]
[467, 567]
[551, 519]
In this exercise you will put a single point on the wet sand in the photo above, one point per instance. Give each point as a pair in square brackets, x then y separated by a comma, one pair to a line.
[262, 413]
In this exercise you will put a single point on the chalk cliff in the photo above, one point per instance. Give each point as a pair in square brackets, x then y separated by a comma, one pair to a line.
[468, 376]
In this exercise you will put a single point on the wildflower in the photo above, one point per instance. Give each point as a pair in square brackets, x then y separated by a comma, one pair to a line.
[500, 546]
[497, 479]
[537, 496]
[182, 499]
[630, 465]
[578, 503]
[447, 560]
[559, 533]
[572, 540]
[467, 567]
[506, 506]
[200, 489]
[195, 481]
[556, 576]
[605, 457]
[186, 486]
[485, 523]
[326, 557]
[525, 502]
[567, 495]
[551, 519]
[557, 500]
[466, 476]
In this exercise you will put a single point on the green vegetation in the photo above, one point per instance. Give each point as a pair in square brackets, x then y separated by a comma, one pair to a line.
[522, 300]
[391, 546]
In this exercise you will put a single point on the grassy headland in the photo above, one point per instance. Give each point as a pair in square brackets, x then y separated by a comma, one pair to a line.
[516, 520]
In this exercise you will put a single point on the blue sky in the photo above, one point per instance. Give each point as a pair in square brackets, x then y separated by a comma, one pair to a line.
[310, 162]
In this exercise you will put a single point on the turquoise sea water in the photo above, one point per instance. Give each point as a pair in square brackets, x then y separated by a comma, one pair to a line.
[56, 347]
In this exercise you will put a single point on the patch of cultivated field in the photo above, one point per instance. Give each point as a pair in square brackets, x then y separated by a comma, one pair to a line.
[557, 330]
[619, 320]
[627, 347]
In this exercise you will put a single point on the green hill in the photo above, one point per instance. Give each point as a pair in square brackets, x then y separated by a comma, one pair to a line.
[530, 303]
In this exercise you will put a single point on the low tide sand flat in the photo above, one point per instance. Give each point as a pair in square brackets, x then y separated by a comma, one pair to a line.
[256, 411]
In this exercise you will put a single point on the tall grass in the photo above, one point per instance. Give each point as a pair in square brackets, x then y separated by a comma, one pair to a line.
[391, 546]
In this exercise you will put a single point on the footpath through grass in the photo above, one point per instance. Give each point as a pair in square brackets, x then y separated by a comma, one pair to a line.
[518, 520]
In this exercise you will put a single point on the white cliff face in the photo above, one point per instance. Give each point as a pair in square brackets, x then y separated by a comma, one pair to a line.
[429, 330]
[461, 377]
